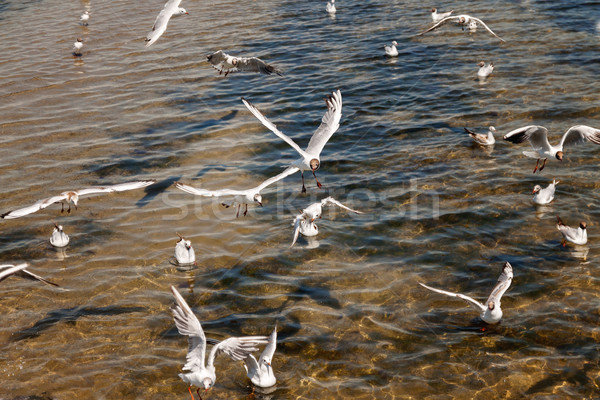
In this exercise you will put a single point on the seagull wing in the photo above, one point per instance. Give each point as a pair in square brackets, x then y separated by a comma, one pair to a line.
[160, 24]
[253, 64]
[31, 276]
[580, 134]
[297, 221]
[329, 124]
[251, 366]
[537, 136]
[210, 193]
[33, 208]
[440, 22]
[270, 347]
[474, 303]
[217, 59]
[487, 28]
[272, 126]
[270, 181]
[567, 231]
[237, 348]
[8, 270]
[121, 187]
[502, 285]
[188, 325]
[331, 200]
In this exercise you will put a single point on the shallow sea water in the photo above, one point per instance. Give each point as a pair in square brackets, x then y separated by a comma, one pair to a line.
[353, 321]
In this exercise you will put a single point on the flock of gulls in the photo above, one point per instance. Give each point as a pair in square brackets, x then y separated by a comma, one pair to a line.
[199, 371]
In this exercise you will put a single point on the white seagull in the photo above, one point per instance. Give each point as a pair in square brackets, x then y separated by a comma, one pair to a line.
[162, 20]
[436, 17]
[465, 21]
[77, 46]
[84, 18]
[201, 375]
[573, 235]
[261, 372]
[304, 222]
[224, 62]
[485, 140]
[59, 238]
[184, 253]
[491, 312]
[391, 51]
[310, 160]
[7, 270]
[538, 138]
[73, 197]
[331, 7]
[240, 197]
[485, 70]
[546, 195]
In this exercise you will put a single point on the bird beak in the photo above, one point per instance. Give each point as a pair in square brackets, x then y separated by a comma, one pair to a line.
[260, 204]
[312, 220]
[187, 13]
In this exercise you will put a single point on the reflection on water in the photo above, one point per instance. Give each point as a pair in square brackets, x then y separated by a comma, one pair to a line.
[353, 321]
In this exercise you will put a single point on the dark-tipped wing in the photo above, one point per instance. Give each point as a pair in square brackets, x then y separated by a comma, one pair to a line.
[502, 285]
[580, 134]
[488, 28]
[329, 124]
[121, 187]
[7, 270]
[331, 200]
[237, 348]
[33, 208]
[217, 59]
[535, 134]
[474, 303]
[161, 22]
[188, 325]
[253, 64]
[270, 347]
[440, 22]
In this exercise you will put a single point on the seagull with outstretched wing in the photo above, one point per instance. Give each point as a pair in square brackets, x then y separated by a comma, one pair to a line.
[261, 372]
[223, 62]
[465, 21]
[162, 20]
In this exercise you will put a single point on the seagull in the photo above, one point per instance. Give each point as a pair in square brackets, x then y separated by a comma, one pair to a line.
[199, 375]
[310, 160]
[544, 196]
[573, 235]
[73, 197]
[184, 253]
[485, 140]
[224, 62]
[59, 238]
[436, 17]
[77, 47]
[538, 138]
[491, 313]
[391, 51]
[464, 20]
[304, 222]
[7, 270]
[160, 24]
[261, 372]
[84, 18]
[331, 7]
[485, 70]
[240, 197]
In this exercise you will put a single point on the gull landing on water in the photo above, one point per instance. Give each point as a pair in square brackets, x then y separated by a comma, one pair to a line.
[201, 375]
[391, 51]
[73, 197]
[162, 20]
[465, 21]
[59, 238]
[184, 253]
[310, 160]
[240, 197]
[436, 17]
[331, 7]
[261, 372]
[542, 149]
[485, 70]
[573, 235]
[485, 140]
[545, 195]
[490, 313]
[224, 62]
[19, 270]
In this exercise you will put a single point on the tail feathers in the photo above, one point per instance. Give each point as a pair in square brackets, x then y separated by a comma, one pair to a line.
[470, 132]
[559, 221]
[555, 182]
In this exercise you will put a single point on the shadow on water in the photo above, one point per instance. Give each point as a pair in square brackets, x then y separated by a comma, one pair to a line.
[154, 190]
[575, 376]
[71, 315]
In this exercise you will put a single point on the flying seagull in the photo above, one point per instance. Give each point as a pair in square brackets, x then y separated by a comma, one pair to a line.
[9, 269]
[436, 17]
[162, 20]
[223, 62]
[261, 372]
[465, 21]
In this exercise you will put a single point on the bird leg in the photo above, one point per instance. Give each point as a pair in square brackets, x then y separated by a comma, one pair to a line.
[536, 165]
[198, 391]
[246, 210]
[190, 390]
[303, 187]
[62, 207]
[543, 164]
[318, 183]
[238, 211]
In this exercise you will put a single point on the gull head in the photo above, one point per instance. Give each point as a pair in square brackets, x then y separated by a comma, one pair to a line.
[395, 43]
[462, 20]
[314, 164]
[182, 11]
[492, 129]
[536, 189]
[258, 199]
[57, 228]
[433, 10]
[559, 155]
[583, 225]
[188, 244]
[207, 382]
[491, 305]
[267, 361]
[481, 64]
[234, 61]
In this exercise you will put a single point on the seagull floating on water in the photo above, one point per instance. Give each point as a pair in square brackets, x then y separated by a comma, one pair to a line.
[240, 197]
[485, 70]
[261, 372]
[184, 253]
[224, 62]
[84, 18]
[574, 235]
[538, 138]
[7, 270]
[201, 375]
[310, 160]
[73, 197]
[331, 7]
[465, 21]
[162, 20]
[77, 46]
[391, 51]
[546, 195]
[436, 17]
[59, 238]
[485, 140]
[491, 312]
